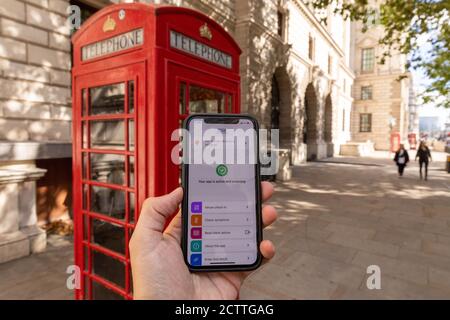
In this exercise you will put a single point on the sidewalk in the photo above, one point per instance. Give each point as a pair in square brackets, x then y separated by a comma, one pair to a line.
[336, 217]
[41, 276]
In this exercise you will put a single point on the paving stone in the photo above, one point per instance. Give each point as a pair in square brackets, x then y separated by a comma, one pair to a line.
[401, 269]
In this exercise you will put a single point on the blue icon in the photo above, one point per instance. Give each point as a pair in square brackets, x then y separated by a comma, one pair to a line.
[196, 259]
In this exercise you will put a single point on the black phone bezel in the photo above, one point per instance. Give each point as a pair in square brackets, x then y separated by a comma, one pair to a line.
[185, 204]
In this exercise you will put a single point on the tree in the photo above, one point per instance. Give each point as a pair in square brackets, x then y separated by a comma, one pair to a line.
[406, 23]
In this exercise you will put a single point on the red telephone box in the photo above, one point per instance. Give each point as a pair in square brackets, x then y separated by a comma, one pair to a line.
[138, 71]
[412, 140]
[395, 141]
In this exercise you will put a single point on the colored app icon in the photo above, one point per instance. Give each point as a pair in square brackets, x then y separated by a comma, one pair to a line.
[221, 170]
[196, 233]
[196, 246]
[196, 259]
[196, 207]
[196, 220]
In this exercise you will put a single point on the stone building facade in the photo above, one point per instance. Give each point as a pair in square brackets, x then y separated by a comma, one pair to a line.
[380, 91]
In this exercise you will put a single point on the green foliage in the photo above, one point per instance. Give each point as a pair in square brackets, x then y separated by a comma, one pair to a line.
[406, 23]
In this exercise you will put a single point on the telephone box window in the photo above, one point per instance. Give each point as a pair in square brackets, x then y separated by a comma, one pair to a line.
[182, 98]
[107, 99]
[86, 228]
[131, 96]
[83, 102]
[229, 103]
[131, 201]
[85, 196]
[84, 135]
[107, 134]
[131, 135]
[110, 202]
[203, 100]
[108, 168]
[86, 259]
[131, 172]
[84, 168]
[108, 235]
[99, 292]
[108, 268]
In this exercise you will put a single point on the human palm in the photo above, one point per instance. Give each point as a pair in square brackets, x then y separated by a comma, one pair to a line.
[159, 270]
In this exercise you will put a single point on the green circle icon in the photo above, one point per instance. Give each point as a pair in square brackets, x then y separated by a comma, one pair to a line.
[222, 170]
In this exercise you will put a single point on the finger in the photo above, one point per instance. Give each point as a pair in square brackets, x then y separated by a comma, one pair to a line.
[269, 215]
[267, 249]
[174, 228]
[267, 190]
[155, 211]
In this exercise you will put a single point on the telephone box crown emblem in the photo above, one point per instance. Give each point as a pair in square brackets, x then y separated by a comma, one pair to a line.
[205, 32]
[109, 24]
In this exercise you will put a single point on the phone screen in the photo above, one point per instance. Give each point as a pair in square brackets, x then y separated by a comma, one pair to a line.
[222, 195]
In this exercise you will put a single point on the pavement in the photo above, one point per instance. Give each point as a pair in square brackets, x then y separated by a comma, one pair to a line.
[337, 217]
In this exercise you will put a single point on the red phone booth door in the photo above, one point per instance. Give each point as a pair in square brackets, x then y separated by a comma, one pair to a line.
[106, 148]
[197, 92]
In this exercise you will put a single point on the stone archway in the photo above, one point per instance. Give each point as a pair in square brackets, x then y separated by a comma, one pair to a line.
[328, 125]
[310, 132]
[285, 112]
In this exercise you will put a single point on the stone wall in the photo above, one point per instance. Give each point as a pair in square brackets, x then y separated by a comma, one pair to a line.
[34, 71]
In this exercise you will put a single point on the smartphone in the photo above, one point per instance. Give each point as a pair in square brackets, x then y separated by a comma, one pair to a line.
[221, 210]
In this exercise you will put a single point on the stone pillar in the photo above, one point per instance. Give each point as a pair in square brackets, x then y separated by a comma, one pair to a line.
[19, 233]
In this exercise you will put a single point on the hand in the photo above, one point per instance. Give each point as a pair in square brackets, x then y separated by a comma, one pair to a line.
[158, 267]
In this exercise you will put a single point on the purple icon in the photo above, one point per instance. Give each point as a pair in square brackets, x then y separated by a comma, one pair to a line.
[196, 233]
[196, 207]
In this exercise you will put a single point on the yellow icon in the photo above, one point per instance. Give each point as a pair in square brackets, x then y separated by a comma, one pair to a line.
[109, 24]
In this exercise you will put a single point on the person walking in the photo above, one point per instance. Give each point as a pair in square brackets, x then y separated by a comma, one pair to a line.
[401, 159]
[424, 154]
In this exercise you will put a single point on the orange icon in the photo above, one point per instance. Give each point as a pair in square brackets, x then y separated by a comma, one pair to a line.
[196, 220]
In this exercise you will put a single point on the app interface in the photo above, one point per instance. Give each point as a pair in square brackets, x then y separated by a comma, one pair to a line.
[222, 196]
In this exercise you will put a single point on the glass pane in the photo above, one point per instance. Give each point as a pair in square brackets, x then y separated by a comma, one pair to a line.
[131, 213]
[108, 168]
[86, 287]
[86, 228]
[86, 258]
[131, 172]
[202, 100]
[100, 292]
[84, 168]
[108, 201]
[108, 268]
[108, 235]
[108, 134]
[131, 135]
[83, 102]
[182, 101]
[229, 103]
[131, 97]
[107, 99]
[85, 194]
[84, 135]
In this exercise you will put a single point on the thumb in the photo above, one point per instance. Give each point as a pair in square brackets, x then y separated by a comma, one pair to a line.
[156, 211]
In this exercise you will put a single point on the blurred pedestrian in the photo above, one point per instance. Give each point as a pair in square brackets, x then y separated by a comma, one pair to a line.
[401, 159]
[424, 154]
